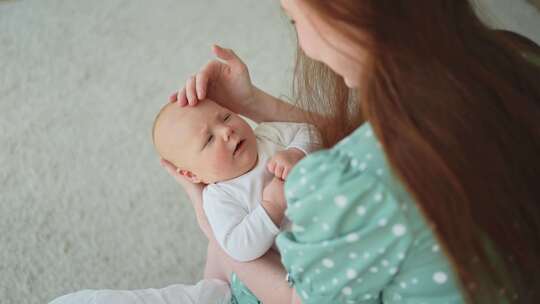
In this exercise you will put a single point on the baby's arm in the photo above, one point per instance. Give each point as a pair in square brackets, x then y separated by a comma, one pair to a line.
[274, 200]
[300, 140]
[243, 235]
[302, 136]
[283, 161]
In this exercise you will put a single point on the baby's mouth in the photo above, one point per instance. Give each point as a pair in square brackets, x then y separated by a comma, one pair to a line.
[239, 146]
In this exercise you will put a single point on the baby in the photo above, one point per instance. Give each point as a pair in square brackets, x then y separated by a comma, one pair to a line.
[210, 144]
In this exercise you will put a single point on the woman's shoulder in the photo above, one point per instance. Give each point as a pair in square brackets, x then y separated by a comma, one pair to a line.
[359, 155]
[353, 222]
[353, 175]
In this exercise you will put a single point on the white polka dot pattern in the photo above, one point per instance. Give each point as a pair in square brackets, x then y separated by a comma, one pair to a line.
[358, 231]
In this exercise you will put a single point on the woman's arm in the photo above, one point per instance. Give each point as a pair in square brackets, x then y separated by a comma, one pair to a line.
[265, 276]
[194, 193]
[229, 84]
[266, 107]
[195, 197]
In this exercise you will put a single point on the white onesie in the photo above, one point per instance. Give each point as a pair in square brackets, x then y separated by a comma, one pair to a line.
[233, 207]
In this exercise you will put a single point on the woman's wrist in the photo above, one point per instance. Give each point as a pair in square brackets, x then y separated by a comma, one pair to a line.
[258, 106]
[265, 107]
[195, 198]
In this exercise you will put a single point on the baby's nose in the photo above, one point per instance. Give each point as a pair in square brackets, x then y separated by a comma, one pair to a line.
[227, 132]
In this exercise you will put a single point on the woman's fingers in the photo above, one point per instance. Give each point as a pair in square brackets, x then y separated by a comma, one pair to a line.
[228, 55]
[173, 97]
[196, 87]
[171, 169]
[208, 74]
[222, 53]
[201, 81]
[182, 98]
[190, 91]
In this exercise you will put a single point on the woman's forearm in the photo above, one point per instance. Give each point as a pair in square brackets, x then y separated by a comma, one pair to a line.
[266, 107]
[265, 276]
[196, 200]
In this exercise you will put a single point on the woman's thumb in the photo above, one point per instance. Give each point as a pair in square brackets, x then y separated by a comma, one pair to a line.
[222, 53]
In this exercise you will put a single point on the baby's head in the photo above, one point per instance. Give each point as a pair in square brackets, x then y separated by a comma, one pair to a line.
[207, 142]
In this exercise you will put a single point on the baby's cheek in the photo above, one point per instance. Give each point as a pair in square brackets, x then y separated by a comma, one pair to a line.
[221, 164]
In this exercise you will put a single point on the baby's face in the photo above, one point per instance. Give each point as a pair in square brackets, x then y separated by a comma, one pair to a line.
[207, 140]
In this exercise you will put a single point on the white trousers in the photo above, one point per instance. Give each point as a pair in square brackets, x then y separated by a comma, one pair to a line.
[206, 291]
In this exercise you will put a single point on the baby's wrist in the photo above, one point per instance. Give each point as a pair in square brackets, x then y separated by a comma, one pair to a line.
[276, 205]
[275, 211]
[297, 151]
[295, 155]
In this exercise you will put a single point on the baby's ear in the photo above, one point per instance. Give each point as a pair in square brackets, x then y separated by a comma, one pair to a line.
[190, 176]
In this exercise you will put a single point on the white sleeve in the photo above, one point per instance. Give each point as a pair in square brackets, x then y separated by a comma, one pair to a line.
[302, 136]
[243, 235]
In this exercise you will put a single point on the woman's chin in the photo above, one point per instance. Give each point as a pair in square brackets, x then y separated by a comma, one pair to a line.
[349, 83]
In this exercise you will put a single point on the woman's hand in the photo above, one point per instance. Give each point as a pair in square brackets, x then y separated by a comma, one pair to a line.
[228, 83]
[194, 192]
[191, 188]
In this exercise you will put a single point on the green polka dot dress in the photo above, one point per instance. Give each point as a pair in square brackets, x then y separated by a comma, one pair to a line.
[357, 235]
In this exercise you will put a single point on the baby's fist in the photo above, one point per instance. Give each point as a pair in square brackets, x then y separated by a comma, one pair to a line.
[283, 161]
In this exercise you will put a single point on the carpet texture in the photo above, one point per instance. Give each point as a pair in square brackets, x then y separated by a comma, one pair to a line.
[83, 200]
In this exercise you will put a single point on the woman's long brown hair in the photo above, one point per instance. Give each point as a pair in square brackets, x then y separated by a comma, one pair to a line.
[456, 107]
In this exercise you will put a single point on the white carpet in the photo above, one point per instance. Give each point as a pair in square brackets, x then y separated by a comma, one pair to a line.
[83, 201]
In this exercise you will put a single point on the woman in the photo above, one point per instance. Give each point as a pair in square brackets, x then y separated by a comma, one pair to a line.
[434, 197]
[431, 194]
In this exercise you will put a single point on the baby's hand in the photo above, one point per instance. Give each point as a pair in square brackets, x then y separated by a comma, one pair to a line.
[273, 193]
[274, 200]
[282, 162]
